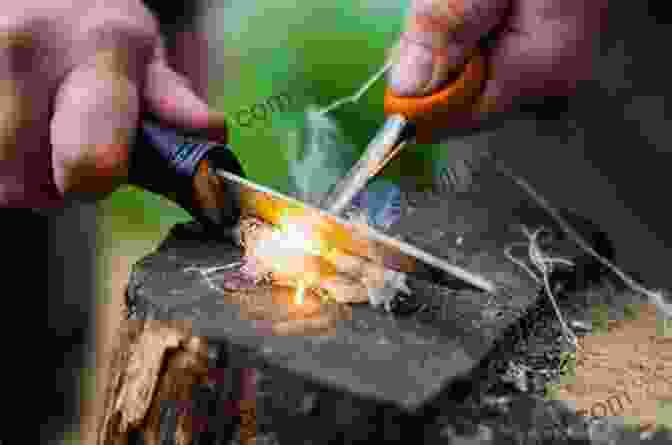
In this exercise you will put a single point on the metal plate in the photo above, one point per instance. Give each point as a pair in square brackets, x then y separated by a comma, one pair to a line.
[403, 360]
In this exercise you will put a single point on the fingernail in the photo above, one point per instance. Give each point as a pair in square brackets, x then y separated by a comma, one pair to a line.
[96, 175]
[218, 118]
[413, 70]
[218, 126]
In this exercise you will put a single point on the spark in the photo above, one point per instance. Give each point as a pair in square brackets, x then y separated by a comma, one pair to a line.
[300, 292]
[291, 240]
[287, 242]
[298, 232]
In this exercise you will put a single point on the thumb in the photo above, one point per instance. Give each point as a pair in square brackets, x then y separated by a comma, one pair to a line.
[170, 97]
[437, 36]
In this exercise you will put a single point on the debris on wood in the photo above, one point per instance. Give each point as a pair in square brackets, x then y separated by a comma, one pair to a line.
[345, 278]
[656, 297]
[345, 289]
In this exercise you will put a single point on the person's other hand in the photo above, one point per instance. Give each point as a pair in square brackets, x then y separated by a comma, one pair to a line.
[535, 48]
[74, 78]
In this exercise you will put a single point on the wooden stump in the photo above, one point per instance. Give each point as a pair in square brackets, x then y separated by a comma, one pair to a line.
[155, 361]
[189, 340]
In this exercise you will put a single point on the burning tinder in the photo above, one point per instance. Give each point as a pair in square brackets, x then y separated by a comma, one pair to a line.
[294, 255]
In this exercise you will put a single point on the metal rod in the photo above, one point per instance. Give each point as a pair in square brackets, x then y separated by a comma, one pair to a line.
[376, 155]
[375, 240]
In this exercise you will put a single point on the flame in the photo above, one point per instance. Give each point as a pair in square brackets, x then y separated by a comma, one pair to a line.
[286, 246]
[286, 242]
[300, 231]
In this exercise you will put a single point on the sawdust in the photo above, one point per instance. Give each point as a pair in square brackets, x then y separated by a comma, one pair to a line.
[625, 372]
[297, 255]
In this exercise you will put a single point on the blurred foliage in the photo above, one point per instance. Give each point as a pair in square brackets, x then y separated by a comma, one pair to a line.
[664, 327]
[631, 311]
[552, 391]
[71, 438]
[316, 52]
[664, 414]
[600, 318]
[568, 363]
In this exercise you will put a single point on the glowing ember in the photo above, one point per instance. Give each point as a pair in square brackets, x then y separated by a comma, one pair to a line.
[293, 250]
[300, 291]
[298, 232]
[300, 253]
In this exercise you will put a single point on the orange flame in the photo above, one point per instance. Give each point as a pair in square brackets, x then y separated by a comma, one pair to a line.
[290, 244]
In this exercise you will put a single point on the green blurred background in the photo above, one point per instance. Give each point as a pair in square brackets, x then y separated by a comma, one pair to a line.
[316, 52]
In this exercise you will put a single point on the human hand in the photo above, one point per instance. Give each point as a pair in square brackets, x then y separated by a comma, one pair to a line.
[534, 48]
[74, 78]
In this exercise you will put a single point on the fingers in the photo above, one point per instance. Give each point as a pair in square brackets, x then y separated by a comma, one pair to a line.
[95, 116]
[13, 116]
[12, 110]
[14, 45]
[535, 49]
[545, 49]
[172, 99]
[25, 177]
[437, 38]
[96, 107]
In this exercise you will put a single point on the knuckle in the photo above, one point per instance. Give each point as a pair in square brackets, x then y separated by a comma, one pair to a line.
[8, 149]
[19, 46]
[12, 38]
[97, 171]
[13, 114]
[125, 30]
[456, 21]
[138, 38]
[95, 160]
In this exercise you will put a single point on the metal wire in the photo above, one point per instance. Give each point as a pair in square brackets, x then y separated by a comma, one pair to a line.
[362, 90]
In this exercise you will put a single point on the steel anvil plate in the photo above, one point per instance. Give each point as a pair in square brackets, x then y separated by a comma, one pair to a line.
[374, 355]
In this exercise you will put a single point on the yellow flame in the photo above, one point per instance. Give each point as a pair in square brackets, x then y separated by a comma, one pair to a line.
[300, 292]
[295, 235]
[298, 232]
